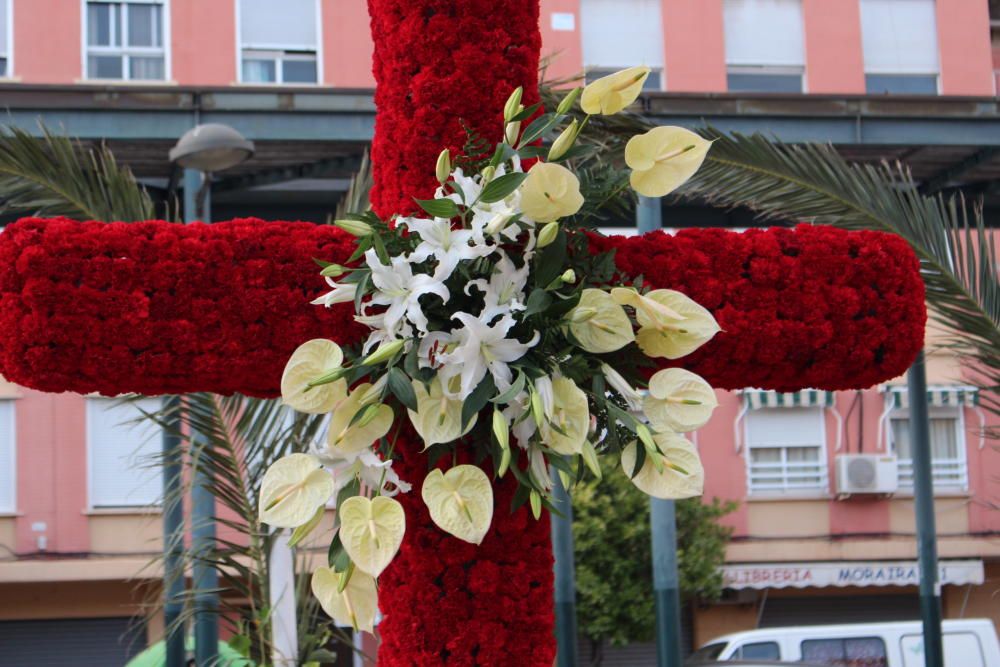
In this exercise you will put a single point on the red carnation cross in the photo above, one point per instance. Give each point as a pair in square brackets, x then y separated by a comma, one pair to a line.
[158, 308]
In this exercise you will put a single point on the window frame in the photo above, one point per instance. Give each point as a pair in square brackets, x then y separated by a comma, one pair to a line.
[843, 641]
[90, 402]
[956, 412]
[882, 71]
[8, 73]
[280, 51]
[820, 490]
[764, 69]
[124, 51]
[9, 405]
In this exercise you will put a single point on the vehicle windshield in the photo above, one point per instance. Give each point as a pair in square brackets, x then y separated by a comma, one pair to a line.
[707, 652]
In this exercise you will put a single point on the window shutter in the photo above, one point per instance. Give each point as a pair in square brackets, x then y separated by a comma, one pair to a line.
[123, 470]
[8, 457]
[621, 33]
[764, 33]
[3, 28]
[289, 24]
[899, 36]
[785, 427]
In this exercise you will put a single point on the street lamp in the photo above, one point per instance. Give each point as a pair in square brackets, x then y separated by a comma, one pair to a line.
[203, 150]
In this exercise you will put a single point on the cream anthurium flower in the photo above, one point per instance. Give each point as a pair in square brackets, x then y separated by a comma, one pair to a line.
[371, 531]
[292, 489]
[663, 159]
[570, 414]
[599, 324]
[311, 361]
[400, 290]
[439, 414]
[460, 501]
[344, 437]
[610, 94]
[482, 348]
[663, 335]
[551, 191]
[355, 606]
[678, 400]
[682, 475]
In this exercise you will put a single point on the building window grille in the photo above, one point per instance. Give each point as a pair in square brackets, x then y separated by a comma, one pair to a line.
[121, 453]
[786, 451]
[949, 469]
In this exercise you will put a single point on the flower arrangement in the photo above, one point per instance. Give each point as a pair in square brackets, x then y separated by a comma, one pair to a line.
[493, 328]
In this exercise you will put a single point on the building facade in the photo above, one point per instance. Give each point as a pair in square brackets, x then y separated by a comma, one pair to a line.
[79, 515]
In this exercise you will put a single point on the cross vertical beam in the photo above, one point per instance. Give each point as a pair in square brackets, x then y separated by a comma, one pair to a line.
[565, 573]
[923, 491]
[173, 537]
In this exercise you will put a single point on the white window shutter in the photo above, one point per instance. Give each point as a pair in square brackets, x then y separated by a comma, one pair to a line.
[621, 33]
[123, 468]
[899, 36]
[785, 427]
[764, 33]
[8, 457]
[289, 24]
[3, 27]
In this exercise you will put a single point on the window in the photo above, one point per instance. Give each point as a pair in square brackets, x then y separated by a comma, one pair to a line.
[852, 652]
[758, 651]
[947, 434]
[785, 451]
[279, 42]
[899, 39]
[125, 40]
[121, 454]
[6, 37]
[765, 49]
[8, 458]
[622, 33]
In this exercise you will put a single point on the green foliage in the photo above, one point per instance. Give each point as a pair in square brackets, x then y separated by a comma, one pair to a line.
[614, 576]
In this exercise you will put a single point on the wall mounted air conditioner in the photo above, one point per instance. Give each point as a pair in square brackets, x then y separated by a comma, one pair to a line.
[867, 473]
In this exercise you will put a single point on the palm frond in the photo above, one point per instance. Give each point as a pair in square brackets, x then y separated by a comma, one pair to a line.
[53, 175]
[356, 200]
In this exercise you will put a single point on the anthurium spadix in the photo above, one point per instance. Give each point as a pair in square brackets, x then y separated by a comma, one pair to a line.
[551, 191]
[682, 475]
[670, 324]
[460, 501]
[565, 431]
[371, 531]
[438, 417]
[293, 488]
[663, 159]
[610, 94]
[599, 324]
[347, 436]
[314, 360]
[355, 605]
[678, 400]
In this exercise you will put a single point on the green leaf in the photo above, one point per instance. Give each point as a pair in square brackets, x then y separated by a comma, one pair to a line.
[401, 387]
[362, 290]
[241, 644]
[511, 393]
[550, 262]
[526, 113]
[533, 152]
[539, 127]
[501, 186]
[439, 208]
[478, 399]
[538, 301]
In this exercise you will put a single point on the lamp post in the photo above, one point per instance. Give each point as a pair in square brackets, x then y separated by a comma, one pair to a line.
[202, 150]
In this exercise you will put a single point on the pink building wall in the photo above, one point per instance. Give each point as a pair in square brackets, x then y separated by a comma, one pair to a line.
[694, 49]
[834, 62]
[964, 44]
[563, 48]
[203, 42]
[347, 44]
[47, 41]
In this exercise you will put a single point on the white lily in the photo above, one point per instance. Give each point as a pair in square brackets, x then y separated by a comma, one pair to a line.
[400, 290]
[341, 293]
[481, 348]
[504, 293]
[364, 465]
[523, 427]
[631, 395]
[448, 246]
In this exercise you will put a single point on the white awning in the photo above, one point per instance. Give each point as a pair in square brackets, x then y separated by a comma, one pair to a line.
[938, 396]
[806, 398]
[847, 573]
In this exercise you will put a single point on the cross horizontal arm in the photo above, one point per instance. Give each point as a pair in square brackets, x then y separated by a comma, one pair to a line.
[156, 307]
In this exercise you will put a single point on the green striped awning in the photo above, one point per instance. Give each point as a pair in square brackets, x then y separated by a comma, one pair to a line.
[807, 398]
[937, 396]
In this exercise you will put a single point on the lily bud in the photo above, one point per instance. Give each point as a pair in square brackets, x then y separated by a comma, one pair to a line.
[334, 271]
[548, 234]
[443, 168]
[513, 105]
[384, 353]
[303, 531]
[537, 409]
[354, 227]
[497, 224]
[535, 499]
[512, 131]
[589, 455]
[488, 172]
[564, 141]
[568, 101]
[504, 463]
[568, 276]
[370, 413]
[500, 429]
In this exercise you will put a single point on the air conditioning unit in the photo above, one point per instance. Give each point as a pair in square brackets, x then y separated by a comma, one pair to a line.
[867, 473]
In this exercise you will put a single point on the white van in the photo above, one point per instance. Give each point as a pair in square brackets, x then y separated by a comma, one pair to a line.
[967, 643]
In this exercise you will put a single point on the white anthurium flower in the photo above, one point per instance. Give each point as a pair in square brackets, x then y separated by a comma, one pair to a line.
[661, 333]
[293, 488]
[682, 475]
[566, 430]
[311, 361]
[446, 245]
[343, 437]
[371, 530]
[341, 293]
[599, 324]
[679, 400]
[460, 501]
[439, 414]
[355, 606]
[504, 293]
[663, 159]
[400, 290]
[631, 395]
[483, 348]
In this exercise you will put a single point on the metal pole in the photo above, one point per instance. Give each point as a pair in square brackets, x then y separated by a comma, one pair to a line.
[204, 577]
[173, 537]
[923, 492]
[565, 572]
[666, 588]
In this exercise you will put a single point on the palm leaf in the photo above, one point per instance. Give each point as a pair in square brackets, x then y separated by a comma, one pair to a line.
[356, 199]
